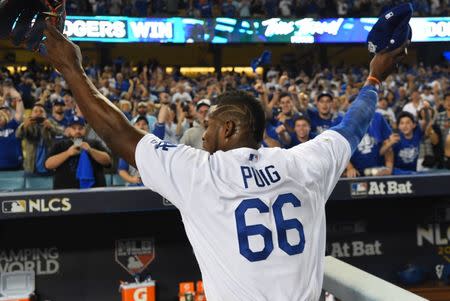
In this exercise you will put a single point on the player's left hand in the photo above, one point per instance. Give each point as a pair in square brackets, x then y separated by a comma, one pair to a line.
[16, 20]
[385, 62]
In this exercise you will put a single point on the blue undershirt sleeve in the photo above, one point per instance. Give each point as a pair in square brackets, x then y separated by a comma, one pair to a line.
[357, 119]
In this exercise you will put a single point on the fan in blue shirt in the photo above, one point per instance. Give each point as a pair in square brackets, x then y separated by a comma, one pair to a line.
[322, 119]
[406, 144]
[406, 150]
[10, 146]
[368, 153]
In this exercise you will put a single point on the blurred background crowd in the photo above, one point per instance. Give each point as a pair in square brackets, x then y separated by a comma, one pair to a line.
[43, 132]
[250, 8]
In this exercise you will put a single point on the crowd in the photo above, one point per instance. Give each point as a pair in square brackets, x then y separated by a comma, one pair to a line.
[43, 132]
[250, 8]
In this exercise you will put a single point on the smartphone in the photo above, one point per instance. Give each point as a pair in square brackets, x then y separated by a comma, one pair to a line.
[77, 142]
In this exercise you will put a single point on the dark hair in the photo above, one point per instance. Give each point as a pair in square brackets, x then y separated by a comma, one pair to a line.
[285, 94]
[252, 111]
[39, 105]
[405, 114]
[303, 117]
[446, 95]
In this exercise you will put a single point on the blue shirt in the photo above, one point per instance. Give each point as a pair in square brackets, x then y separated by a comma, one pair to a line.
[10, 147]
[123, 86]
[367, 154]
[123, 165]
[320, 125]
[406, 151]
[295, 141]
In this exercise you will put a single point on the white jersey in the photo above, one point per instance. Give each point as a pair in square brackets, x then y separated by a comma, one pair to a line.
[255, 218]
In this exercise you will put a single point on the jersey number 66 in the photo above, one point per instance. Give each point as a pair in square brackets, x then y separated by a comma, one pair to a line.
[282, 225]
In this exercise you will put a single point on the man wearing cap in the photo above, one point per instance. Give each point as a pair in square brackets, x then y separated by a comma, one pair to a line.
[142, 111]
[58, 113]
[10, 147]
[127, 172]
[193, 136]
[38, 133]
[322, 119]
[64, 157]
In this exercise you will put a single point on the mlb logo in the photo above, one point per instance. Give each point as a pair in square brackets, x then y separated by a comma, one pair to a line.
[18, 206]
[359, 189]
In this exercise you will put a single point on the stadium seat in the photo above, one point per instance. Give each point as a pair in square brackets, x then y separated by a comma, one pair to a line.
[117, 181]
[38, 183]
[12, 180]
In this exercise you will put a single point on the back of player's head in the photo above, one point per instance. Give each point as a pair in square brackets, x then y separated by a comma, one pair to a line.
[243, 109]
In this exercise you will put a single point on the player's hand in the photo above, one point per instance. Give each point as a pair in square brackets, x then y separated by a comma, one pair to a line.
[63, 54]
[385, 62]
[73, 150]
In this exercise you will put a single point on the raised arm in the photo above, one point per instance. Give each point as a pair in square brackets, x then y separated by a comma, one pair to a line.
[356, 121]
[106, 119]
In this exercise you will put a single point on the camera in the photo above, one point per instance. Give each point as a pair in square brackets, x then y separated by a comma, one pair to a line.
[39, 120]
[185, 106]
[77, 142]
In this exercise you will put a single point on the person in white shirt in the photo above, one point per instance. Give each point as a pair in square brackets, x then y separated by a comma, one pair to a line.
[255, 216]
[415, 104]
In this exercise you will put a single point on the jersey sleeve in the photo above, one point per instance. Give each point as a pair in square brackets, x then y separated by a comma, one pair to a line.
[326, 157]
[169, 169]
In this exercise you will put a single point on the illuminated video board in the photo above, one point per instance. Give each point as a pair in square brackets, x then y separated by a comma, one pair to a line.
[227, 30]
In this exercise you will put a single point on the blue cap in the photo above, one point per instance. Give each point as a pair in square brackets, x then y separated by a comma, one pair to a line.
[391, 30]
[59, 102]
[76, 120]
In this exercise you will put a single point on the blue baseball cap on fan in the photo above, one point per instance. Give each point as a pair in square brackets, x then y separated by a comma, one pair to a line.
[391, 30]
[76, 120]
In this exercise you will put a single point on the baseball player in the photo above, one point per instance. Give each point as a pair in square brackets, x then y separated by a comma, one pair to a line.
[255, 216]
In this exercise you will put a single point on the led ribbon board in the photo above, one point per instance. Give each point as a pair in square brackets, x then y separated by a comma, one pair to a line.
[227, 30]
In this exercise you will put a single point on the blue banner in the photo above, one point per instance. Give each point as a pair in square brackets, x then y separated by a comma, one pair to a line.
[227, 30]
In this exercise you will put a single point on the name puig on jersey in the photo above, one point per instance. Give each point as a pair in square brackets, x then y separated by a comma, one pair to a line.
[355, 249]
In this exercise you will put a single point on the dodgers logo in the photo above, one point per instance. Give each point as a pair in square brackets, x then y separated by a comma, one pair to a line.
[366, 144]
[409, 154]
[134, 255]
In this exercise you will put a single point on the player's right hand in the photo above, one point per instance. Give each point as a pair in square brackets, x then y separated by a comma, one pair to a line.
[62, 53]
[385, 62]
